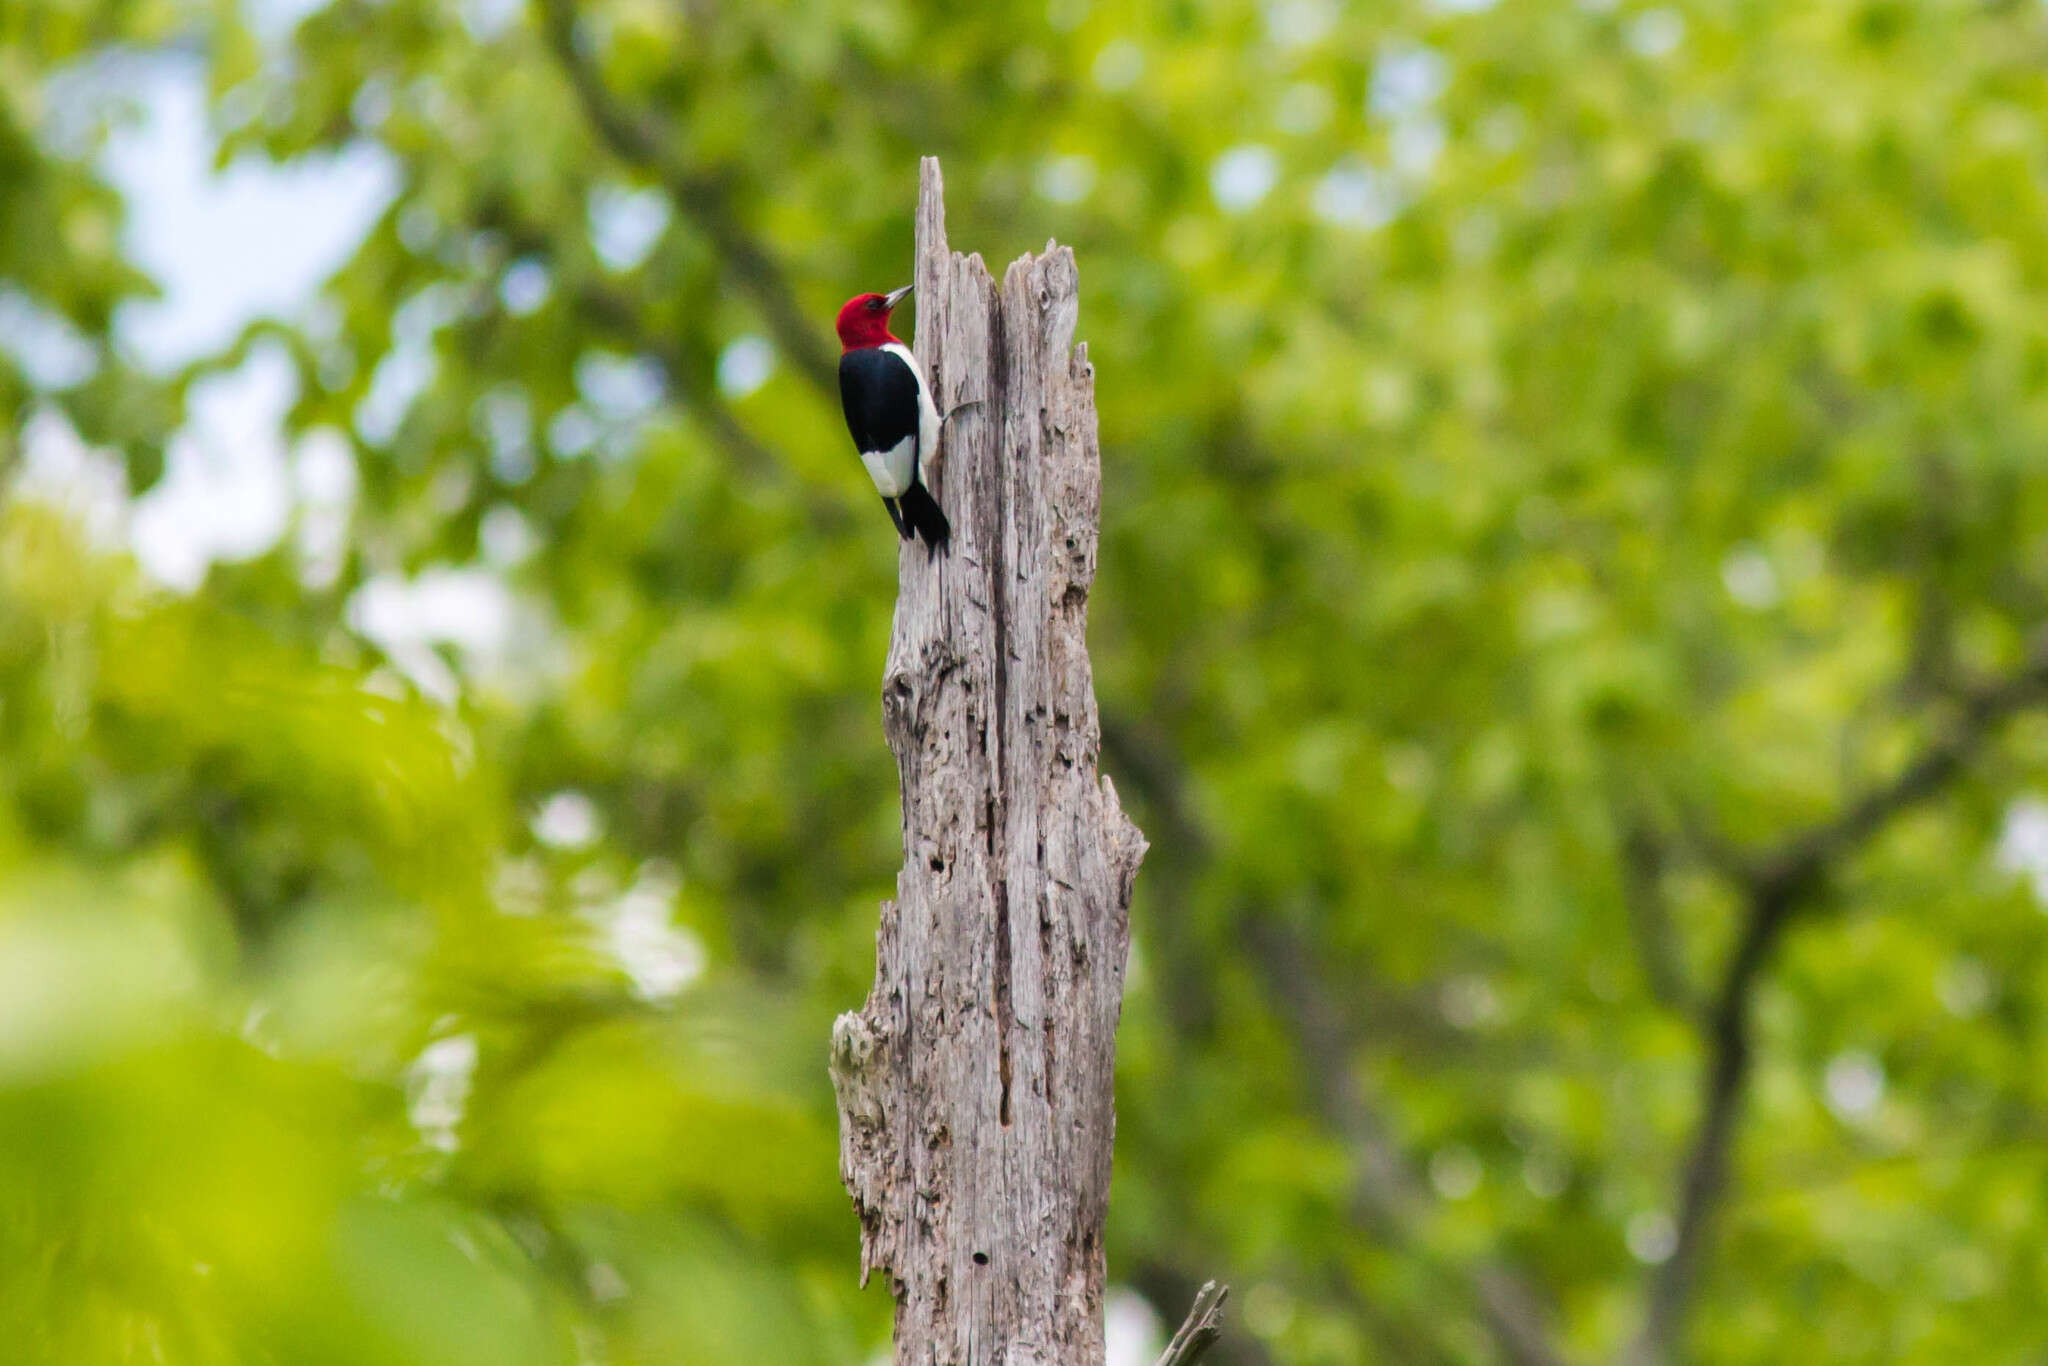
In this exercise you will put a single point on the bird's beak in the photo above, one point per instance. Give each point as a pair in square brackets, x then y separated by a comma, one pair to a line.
[895, 298]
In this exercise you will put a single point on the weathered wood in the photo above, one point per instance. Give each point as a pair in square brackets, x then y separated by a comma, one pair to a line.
[976, 1114]
[1198, 1333]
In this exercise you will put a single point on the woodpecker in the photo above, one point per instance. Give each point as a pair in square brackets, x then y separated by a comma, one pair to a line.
[890, 412]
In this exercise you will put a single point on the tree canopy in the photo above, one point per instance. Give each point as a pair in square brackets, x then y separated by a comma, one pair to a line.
[1574, 572]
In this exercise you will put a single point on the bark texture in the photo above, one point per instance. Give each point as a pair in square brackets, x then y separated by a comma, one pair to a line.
[976, 1111]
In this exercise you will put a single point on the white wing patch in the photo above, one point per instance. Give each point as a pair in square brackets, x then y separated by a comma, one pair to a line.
[927, 413]
[892, 469]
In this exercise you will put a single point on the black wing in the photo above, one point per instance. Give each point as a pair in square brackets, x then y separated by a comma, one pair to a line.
[879, 393]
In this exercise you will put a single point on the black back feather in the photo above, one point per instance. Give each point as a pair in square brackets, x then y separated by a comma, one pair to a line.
[879, 393]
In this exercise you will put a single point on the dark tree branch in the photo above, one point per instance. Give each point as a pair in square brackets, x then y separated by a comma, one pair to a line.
[1778, 888]
[548, 1244]
[1643, 860]
[611, 314]
[1406, 1339]
[614, 314]
[1388, 1198]
[1704, 1177]
[703, 199]
[1799, 862]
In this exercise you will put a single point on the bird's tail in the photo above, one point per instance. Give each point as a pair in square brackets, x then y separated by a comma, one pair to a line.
[922, 514]
[896, 517]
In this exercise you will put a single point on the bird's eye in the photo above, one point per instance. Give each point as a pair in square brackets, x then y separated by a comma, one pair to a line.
[874, 305]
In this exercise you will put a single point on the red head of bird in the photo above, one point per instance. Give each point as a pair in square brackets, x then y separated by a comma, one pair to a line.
[864, 321]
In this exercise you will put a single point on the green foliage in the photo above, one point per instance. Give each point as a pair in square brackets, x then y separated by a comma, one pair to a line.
[1554, 453]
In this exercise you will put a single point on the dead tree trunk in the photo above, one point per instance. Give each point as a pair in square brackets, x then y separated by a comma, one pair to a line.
[975, 1107]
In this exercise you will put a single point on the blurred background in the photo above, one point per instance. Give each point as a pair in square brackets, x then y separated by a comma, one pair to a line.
[1575, 548]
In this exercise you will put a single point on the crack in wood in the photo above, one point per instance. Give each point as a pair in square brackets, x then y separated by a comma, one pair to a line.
[1006, 1016]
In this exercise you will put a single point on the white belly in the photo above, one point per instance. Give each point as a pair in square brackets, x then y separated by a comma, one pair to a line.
[891, 469]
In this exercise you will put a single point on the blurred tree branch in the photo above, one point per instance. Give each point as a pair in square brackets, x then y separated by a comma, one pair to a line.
[1778, 887]
[702, 198]
[1387, 1196]
[1644, 856]
[612, 314]
[1139, 751]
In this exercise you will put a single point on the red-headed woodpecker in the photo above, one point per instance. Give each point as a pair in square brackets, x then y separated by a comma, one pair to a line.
[890, 412]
